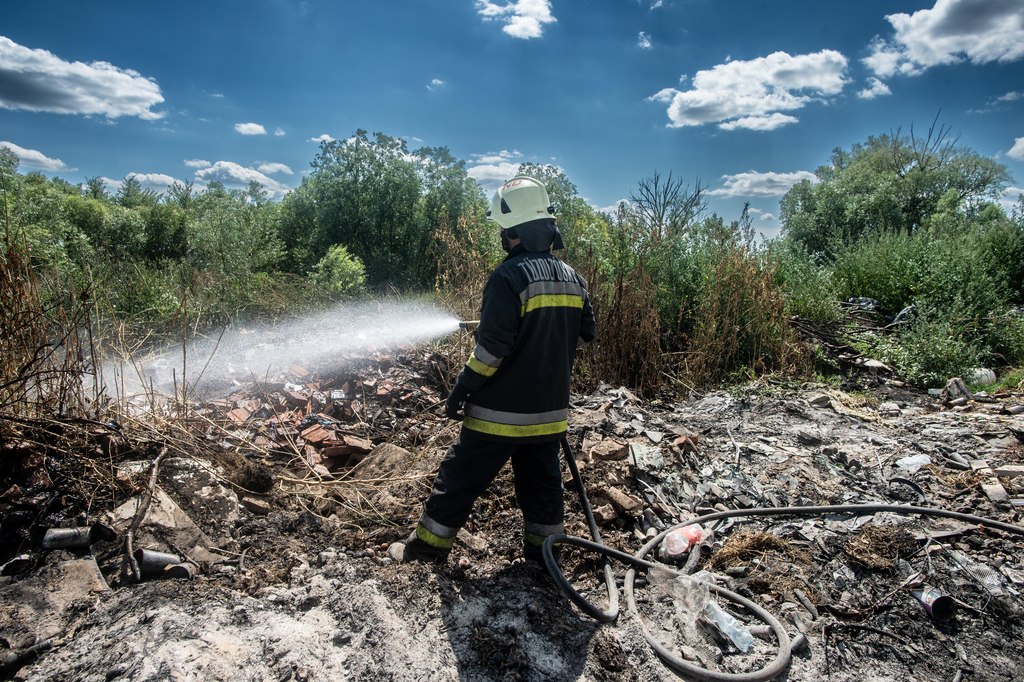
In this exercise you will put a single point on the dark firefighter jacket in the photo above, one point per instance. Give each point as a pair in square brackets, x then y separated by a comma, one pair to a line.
[535, 310]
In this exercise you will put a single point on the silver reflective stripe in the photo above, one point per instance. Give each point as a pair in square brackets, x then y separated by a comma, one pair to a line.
[436, 528]
[483, 356]
[541, 288]
[541, 529]
[516, 418]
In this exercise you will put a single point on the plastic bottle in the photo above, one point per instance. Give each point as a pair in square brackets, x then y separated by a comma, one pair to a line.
[982, 377]
[678, 542]
[729, 626]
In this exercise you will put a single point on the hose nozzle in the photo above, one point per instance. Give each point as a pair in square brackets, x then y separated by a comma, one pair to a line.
[469, 325]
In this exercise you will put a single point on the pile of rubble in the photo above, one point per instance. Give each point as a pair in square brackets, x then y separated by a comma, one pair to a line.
[270, 530]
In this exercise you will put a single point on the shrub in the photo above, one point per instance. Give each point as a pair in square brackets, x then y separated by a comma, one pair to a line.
[930, 350]
[810, 290]
[339, 272]
[627, 351]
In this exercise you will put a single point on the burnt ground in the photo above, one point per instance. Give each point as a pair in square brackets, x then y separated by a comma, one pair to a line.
[296, 582]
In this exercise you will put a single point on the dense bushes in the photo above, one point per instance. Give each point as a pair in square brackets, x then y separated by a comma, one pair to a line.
[910, 222]
[679, 295]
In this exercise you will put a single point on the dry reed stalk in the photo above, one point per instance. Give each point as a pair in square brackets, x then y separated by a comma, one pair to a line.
[41, 355]
[741, 328]
[627, 350]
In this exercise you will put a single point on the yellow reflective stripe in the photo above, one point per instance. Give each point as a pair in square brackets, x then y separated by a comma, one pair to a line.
[433, 540]
[535, 540]
[480, 368]
[515, 430]
[551, 301]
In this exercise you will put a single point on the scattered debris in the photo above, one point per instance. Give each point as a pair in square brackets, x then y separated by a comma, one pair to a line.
[279, 509]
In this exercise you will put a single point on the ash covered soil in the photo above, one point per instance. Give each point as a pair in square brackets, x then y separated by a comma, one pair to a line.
[296, 582]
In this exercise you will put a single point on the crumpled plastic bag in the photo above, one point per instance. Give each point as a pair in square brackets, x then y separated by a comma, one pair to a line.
[913, 463]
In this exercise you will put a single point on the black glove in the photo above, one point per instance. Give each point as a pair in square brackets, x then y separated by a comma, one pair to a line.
[456, 401]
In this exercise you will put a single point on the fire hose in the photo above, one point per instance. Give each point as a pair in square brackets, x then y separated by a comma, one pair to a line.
[781, 661]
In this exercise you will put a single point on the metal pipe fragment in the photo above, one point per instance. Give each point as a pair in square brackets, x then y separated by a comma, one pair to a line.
[154, 563]
[67, 538]
[183, 571]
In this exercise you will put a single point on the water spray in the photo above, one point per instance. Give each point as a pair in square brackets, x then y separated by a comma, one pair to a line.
[241, 354]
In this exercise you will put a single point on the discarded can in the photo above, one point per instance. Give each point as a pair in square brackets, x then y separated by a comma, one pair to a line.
[939, 606]
[179, 571]
[153, 563]
[67, 538]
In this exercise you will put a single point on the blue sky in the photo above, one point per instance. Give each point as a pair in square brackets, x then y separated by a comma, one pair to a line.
[749, 96]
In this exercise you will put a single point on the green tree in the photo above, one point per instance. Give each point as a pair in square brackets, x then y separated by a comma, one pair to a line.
[363, 194]
[890, 183]
[131, 194]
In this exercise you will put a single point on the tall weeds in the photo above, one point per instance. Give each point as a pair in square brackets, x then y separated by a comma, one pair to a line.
[42, 357]
[627, 350]
[741, 328]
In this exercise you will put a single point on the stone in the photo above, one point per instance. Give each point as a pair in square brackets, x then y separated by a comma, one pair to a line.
[610, 450]
[889, 410]
[808, 438]
[590, 441]
[604, 515]
[256, 505]
[474, 542]
[955, 388]
[820, 401]
[623, 502]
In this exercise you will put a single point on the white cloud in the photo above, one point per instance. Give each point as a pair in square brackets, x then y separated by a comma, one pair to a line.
[269, 168]
[279, 132]
[158, 182]
[323, 138]
[643, 41]
[767, 216]
[1017, 150]
[30, 158]
[748, 94]
[155, 181]
[876, 89]
[614, 208]
[981, 31]
[523, 18]
[1010, 96]
[250, 129]
[1010, 198]
[755, 184]
[197, 163]
[238, 177]
[496, 157]
[38, 80]
[492, 169]
[492, 176]
[436, 84]
[772, 122]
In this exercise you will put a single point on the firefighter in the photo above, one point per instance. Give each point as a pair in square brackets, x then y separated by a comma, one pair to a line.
[513, 393]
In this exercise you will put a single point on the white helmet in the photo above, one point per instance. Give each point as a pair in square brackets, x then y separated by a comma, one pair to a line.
[518, 201]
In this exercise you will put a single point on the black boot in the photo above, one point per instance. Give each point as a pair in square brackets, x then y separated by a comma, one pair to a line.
[417, 550]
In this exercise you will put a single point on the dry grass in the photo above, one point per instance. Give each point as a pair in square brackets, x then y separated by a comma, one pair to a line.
[741, 327]
[42, 356]
[880, 547]
[742, 547]
[627, 351]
